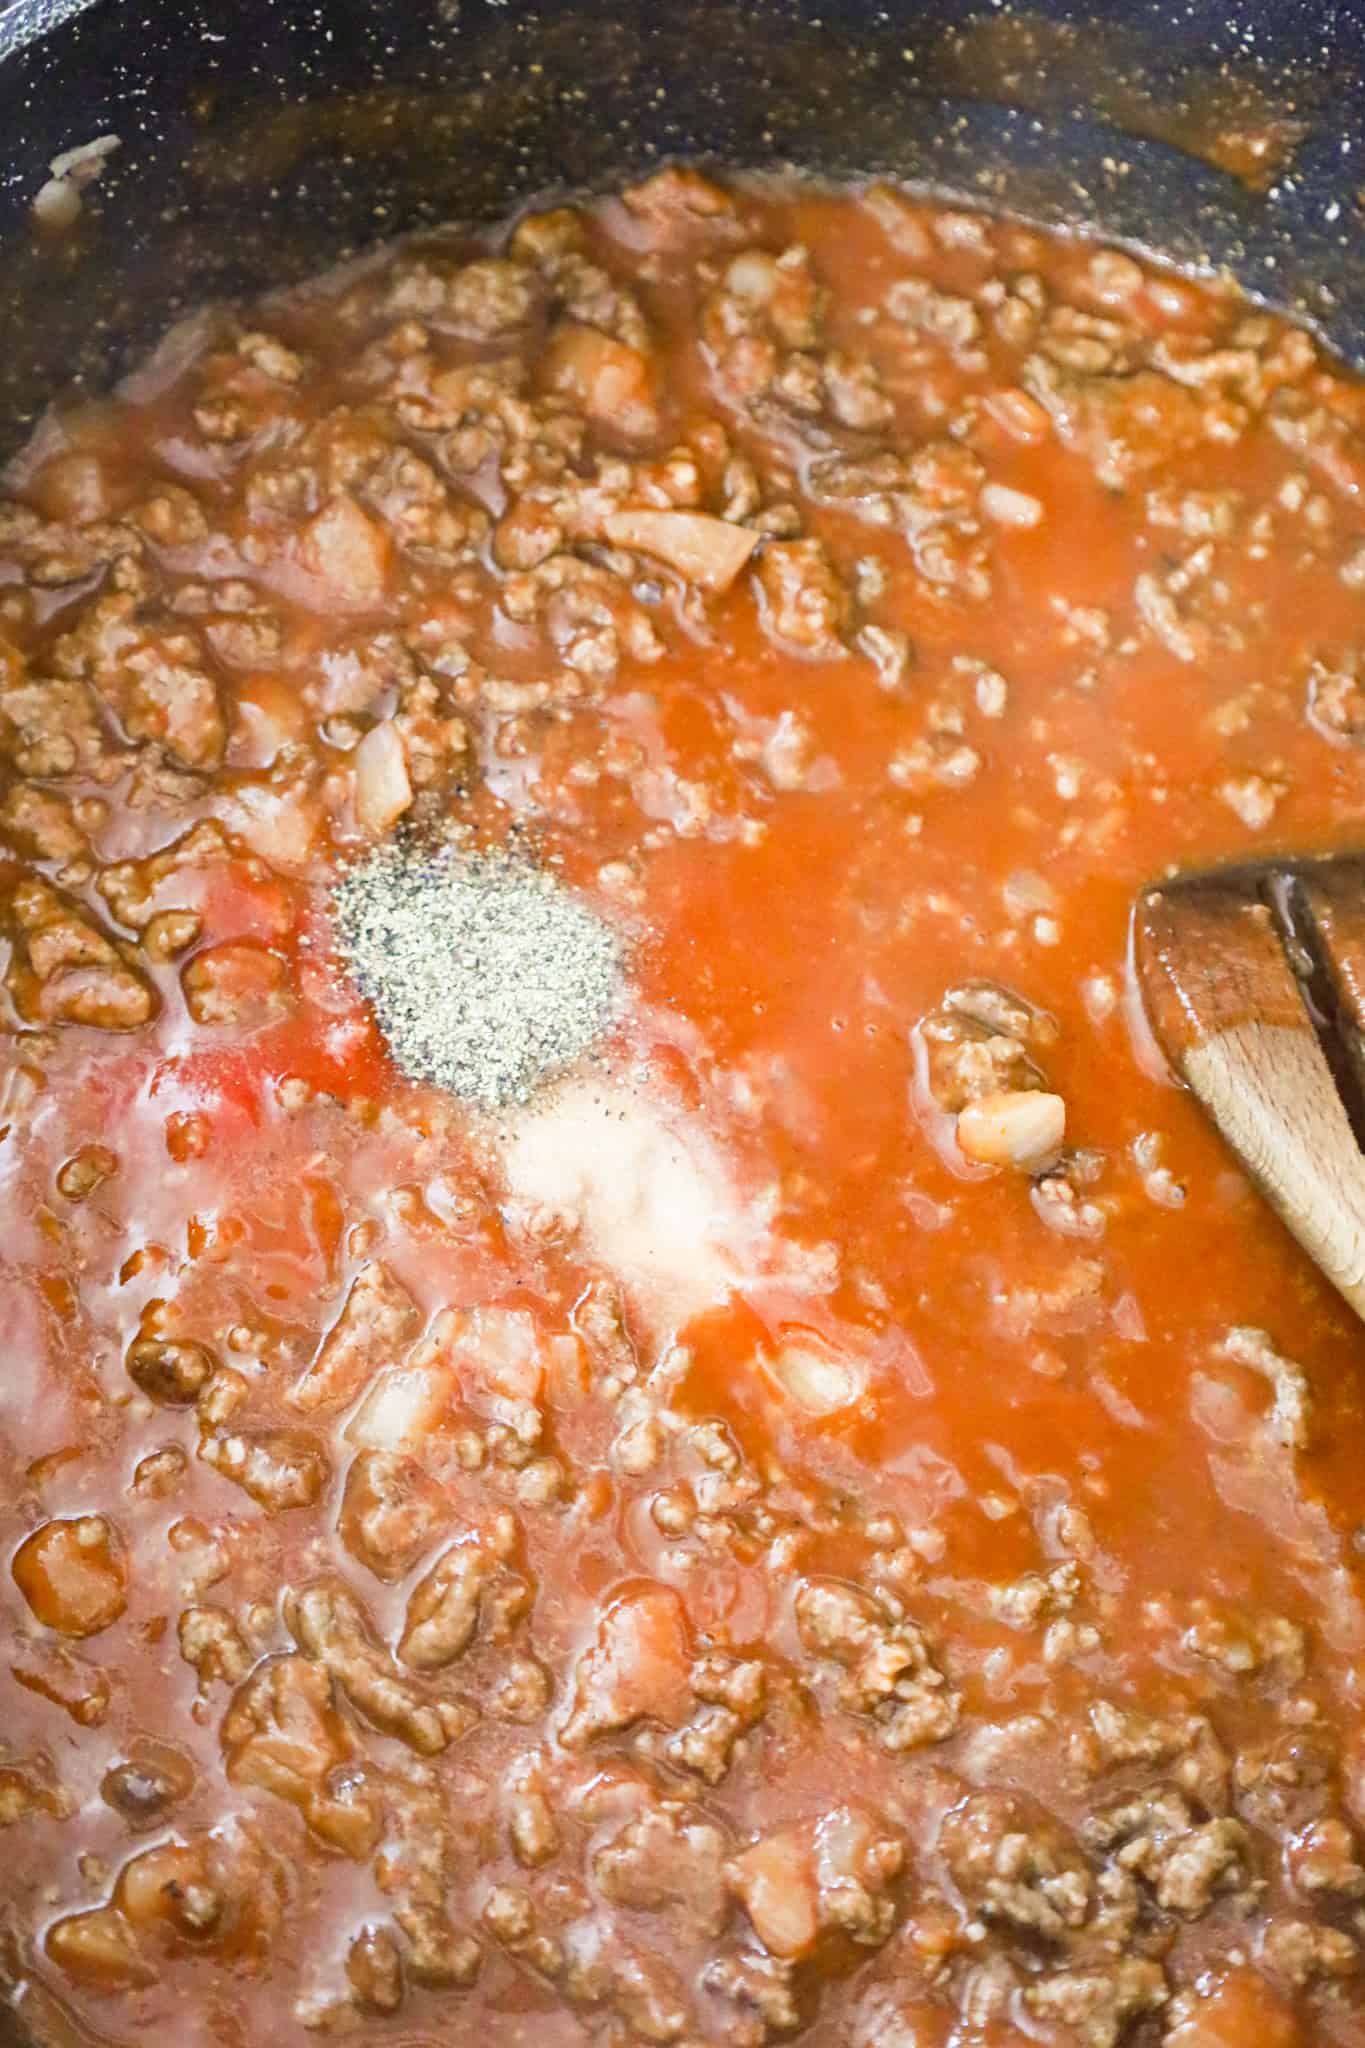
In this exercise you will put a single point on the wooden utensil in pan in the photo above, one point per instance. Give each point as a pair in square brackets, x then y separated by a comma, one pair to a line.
[1254, 982]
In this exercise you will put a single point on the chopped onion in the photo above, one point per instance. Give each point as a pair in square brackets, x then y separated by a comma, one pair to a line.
[752, 276]
[1015, 1127]
[611, 380]
[57, 203]
[382, 788]
[401, 1409]
[86, 162]
[1008, 507]
[815, 1378]
[702, 549]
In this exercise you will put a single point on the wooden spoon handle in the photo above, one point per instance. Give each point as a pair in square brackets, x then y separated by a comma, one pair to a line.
[1230, 1016]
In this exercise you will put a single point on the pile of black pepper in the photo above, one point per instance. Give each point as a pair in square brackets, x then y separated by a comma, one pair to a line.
[487, 975]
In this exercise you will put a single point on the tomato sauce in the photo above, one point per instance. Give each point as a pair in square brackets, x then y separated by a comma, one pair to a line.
[723, 1552]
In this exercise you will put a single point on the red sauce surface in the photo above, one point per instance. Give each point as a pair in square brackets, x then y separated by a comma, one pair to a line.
[1000, 1683]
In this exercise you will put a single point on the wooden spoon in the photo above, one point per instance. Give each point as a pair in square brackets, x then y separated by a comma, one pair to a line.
[1254, 982]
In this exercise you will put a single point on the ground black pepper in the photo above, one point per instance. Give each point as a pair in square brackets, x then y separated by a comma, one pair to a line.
[487, 975]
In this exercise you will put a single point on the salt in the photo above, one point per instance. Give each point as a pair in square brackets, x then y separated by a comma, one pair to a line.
[646, 1187]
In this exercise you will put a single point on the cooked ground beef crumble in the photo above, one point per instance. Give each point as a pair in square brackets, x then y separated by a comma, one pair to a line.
[841, 1522]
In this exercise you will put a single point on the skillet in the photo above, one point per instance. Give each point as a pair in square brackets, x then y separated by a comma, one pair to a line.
[263, 140]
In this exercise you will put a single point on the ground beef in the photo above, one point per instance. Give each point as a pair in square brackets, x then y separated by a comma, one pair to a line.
[65, 970]
[136, 890]
[52, 728]
[211, 1641]
[1099, 2006]
[1015, 1868]
[669, 1862]
[169, 1371]
[806, 607]
[1186, 1864]
[278, 1468]
[888, 1668]
[284, 1733]
[443, 1610]
[152, 680]
[390, 1513]
[41, 824]
[980, 1040]
[701, 1557]
[329, 1625]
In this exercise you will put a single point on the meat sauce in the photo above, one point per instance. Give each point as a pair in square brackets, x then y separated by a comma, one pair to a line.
[841, 1519]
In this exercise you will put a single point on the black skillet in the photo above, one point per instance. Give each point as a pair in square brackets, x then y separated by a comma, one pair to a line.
[260, 139]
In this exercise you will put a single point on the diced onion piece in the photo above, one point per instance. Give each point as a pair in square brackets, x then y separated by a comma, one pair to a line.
[1008, 507]
[349, 551]
[1026, 892]
[86, 161]
[777, 1888]
[271, 717]
[383, 790]
[401, 1409]
[502, 1348]
[753, 276]
[702, 549]
[611, 380]
[816, 1379]
[57, 203]
[642, 1656]
[566, 1370]
[279, 824]
[1021, 417]
[1016, 1127]
[636, 1669]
